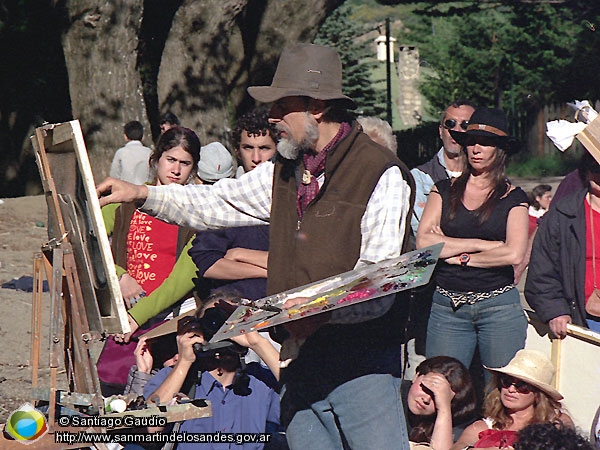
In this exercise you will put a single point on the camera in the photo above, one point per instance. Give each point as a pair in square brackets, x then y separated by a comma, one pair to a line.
[208, 324]
[212, 320]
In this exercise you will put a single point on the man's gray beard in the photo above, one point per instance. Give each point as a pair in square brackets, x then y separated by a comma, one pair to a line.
[290, 149]
[457, 152]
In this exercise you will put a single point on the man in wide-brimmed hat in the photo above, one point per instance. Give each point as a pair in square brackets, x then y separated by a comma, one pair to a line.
[334, 199]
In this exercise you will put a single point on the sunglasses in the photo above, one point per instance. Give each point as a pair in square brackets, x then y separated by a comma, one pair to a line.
[485, 141]
[450, 124]
[521, 386]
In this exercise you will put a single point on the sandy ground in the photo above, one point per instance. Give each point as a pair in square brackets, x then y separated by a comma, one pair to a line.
[22, 232]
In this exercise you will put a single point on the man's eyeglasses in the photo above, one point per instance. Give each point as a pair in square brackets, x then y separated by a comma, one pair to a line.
[450, 124]
[521, 386]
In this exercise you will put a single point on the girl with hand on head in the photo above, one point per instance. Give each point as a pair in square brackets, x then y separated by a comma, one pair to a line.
[441, 396]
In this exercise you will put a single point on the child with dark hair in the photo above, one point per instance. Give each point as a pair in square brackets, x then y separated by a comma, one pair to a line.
[168, 120]
[441, 396]
[539, 202]
[154, 268]
[547, 436]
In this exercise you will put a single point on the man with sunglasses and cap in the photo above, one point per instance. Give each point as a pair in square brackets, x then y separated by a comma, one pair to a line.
[448, 162]
[335, 199]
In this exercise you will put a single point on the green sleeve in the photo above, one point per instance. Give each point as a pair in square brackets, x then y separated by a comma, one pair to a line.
[109, 213]
[176, 285]
[120, 270]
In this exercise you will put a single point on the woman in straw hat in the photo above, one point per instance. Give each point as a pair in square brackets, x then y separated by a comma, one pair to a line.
[520, 394]
[482, 220]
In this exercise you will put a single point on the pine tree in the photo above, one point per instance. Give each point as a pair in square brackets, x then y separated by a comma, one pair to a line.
[514, 56]
[340, 31]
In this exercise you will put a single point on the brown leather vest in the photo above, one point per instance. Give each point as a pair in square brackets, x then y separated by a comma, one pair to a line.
[327, 241]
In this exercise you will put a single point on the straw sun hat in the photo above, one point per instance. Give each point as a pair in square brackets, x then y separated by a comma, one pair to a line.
[533, 367]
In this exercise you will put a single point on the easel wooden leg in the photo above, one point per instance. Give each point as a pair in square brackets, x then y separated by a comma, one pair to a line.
[36, 317]
[57, 334]
[84, 380]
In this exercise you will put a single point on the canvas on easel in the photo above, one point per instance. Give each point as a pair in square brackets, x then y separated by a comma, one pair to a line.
[62, 157]
[86, 301]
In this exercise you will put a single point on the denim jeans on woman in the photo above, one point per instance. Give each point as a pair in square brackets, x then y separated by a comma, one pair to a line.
[497, 325]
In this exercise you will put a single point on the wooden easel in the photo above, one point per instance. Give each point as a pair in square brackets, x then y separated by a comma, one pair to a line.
[77, 324]
[86, 302]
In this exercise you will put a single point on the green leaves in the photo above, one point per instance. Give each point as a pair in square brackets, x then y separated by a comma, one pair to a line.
[343, 33]
[502, 53]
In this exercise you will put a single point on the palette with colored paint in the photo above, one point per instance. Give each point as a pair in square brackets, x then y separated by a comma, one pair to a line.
[408, 271]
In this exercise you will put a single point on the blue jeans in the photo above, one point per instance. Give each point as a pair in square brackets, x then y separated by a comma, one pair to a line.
[593, 325]
[497, 325]
[366, 411]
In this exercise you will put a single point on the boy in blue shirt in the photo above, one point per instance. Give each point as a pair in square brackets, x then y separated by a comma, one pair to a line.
[241, 404]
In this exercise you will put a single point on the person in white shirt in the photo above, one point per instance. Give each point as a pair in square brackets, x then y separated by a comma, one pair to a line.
[131, 162]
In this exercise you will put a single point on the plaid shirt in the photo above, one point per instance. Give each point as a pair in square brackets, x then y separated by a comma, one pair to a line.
[247, 200]
[236, 202]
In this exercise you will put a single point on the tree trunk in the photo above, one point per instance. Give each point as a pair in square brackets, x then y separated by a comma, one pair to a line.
[100, 47]
[217, 48]
[213, 51]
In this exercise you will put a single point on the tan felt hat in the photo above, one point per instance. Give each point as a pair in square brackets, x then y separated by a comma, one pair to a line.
[308, 70]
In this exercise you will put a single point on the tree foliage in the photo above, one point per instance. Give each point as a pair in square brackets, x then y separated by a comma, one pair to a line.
[516, 56]
[343, 33]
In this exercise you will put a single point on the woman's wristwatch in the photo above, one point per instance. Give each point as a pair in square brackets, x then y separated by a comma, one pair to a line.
[464, 259]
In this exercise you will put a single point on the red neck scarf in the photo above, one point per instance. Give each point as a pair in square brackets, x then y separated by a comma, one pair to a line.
[315, 165]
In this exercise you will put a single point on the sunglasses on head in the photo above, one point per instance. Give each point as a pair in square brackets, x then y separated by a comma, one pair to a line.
[450, 124]
[521, 386]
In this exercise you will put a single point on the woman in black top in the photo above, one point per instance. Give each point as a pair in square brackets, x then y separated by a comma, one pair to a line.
[482, 220]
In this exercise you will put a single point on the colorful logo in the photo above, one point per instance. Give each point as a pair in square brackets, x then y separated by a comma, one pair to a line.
[26, 424]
